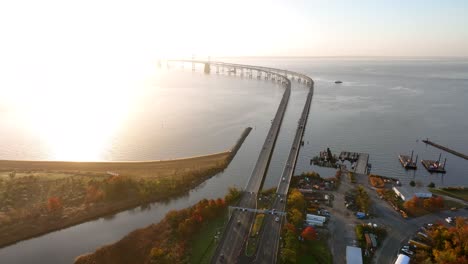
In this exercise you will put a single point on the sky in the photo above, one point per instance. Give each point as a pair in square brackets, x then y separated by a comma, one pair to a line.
[100, 30]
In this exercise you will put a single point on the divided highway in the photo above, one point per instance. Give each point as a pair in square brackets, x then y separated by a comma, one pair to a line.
[267, 250]
[236, 232]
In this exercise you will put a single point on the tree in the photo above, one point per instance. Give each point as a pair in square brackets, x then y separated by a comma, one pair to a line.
[309, 233]
[412, 183]
[431, 185]
[296, 200]
[232, 195]
[412, 203]
[296, 217]
[428, 203]
[288, 256]
[362, 199]
[439, 202]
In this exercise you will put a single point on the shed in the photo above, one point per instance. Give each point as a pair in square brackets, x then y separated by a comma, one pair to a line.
[353, 255]
[407, 192]
[402, 259]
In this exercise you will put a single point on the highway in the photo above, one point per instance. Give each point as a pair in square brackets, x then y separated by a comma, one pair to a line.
[233, 239]
[267, 250]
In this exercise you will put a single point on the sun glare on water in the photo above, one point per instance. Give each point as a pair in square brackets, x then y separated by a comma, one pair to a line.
[76, 115]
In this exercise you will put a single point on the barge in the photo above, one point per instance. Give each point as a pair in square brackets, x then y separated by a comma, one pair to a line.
[434, 166]
[407, 162]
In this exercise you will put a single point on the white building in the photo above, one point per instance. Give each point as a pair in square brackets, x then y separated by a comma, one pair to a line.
[402, 259]
[353, 255]
[407, 192]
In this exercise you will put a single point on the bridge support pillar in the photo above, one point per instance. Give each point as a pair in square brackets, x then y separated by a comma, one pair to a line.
[207, 68]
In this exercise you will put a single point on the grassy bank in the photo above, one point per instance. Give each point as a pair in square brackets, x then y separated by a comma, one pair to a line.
[40, 197]
[315, 251]
[183, 236]
[459, 193]
[37, 197]
[161, 169]
[204, 242]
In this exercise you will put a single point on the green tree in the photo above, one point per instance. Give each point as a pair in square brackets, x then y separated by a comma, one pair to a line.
[288, 256]
[296, 217]
[412, 183]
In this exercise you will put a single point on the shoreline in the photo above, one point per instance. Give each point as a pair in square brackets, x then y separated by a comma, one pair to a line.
[207, 166]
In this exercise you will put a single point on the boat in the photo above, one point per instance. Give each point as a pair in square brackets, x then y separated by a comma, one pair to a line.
[338, 82]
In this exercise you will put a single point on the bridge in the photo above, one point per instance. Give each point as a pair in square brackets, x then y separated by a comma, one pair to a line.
[267, 250]
[233, 240]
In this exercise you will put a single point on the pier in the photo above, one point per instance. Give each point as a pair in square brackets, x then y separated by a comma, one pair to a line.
[451, 151]
[361, 166]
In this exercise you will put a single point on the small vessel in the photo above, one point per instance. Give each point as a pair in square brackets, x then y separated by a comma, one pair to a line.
[338, 82]
[407, 162]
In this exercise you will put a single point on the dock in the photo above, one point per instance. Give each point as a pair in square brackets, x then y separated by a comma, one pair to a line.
[456, 153]
[361, 166]
[360, 161]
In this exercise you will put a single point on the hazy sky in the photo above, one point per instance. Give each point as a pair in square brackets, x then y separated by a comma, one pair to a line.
[101, 29]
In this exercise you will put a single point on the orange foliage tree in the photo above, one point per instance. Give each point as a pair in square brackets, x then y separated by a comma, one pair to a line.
[412, 203]
[450, 244]
[309, 233]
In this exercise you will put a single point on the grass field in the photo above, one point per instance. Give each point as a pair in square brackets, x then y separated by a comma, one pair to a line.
[461, 194]
[139, 169]
[86, 190]
[315, 251]
[204, 243]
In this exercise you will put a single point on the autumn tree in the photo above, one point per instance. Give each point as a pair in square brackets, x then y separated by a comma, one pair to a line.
[296, 200]
[450, 245]
[296, 217]
[439, 202]
[309, 233]
[412, 203]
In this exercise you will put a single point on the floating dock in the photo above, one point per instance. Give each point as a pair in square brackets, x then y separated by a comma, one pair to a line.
[349, 156]
[407, 161]
[434, 166]
[456, 153]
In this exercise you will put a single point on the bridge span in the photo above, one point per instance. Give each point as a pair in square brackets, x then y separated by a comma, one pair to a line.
[232, 242]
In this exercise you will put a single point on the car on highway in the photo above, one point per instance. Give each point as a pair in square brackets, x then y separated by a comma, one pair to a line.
[283, 179]
[449, 219]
